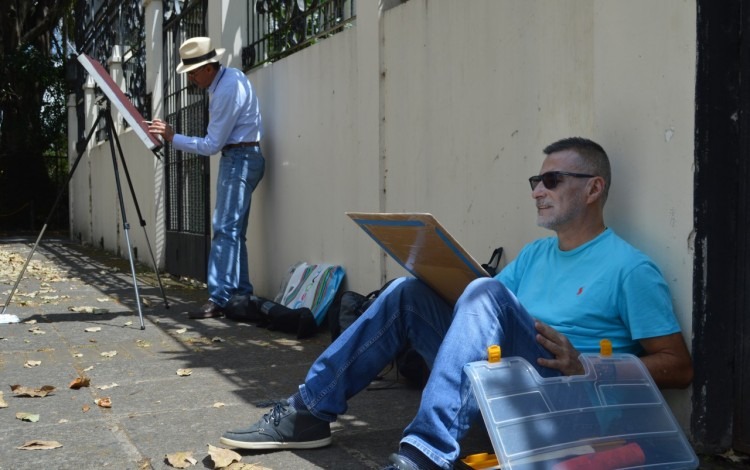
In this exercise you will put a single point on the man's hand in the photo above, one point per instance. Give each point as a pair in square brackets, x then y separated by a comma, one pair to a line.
[159, 127]
[566, 356]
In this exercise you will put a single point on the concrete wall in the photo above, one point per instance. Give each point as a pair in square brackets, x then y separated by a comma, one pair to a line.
[445, 107]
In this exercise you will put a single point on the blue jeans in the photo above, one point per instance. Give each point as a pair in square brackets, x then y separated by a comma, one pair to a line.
[240, 171]
[447, 338]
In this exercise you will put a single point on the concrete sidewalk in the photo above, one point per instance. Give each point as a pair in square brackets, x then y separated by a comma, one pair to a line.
[155, 411]
[69, 289]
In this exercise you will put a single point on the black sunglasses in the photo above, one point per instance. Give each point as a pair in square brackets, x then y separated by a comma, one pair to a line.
[552, 178]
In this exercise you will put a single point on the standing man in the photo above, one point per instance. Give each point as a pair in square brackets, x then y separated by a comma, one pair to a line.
[234, 128]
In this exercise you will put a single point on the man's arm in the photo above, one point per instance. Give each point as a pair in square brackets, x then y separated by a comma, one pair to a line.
[666, 357]
[668, 360]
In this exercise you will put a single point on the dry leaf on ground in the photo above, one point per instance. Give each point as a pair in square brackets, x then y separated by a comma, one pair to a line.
[218, 404]
[93, 329]
[42, 391]
[85, 408]
[3, 403]
[223, 457]
[88, 309]
[32, 418]
[29, 364]
[107, 387]
[109, 354]
[104, 402]
[246, 466]
[79, 382]
[179, 331]
[184, 372]
[40, 445]
[181, 459]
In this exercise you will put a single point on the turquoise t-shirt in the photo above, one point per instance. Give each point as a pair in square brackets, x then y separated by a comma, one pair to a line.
[603, 289]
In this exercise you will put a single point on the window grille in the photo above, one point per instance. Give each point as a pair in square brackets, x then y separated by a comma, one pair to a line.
[102, 24]
[278, 28]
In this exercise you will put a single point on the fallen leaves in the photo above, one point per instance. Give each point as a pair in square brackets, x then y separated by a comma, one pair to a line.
[107, 387]
[104, 402]
[108, 354]
[29, 364]
[93, 329]
[40, 445]
[184, 372]
[32, 418]
[223, 457]
[3, 403]
[88, 309]
[79, 382]
[181, 459]
[40, 392]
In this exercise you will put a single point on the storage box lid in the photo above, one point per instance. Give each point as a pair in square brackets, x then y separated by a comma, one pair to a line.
[612, 416]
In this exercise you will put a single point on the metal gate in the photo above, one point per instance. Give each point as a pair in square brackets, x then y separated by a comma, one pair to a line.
[188, 228]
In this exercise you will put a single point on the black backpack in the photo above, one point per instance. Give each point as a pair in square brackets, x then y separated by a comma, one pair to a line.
[351, 305]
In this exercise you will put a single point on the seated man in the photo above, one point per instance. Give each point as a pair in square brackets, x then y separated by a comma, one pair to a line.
[559, 298]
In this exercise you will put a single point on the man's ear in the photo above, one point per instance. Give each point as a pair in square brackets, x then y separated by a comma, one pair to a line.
[595, 189]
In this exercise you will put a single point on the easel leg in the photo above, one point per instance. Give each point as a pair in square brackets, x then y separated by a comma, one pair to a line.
[140, 218]
[125, 224]
[81, 150]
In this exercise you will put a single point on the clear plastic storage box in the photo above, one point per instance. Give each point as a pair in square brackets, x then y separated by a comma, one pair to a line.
[611, 417]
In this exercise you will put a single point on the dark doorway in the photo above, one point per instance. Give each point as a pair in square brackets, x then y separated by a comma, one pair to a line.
[721, 342]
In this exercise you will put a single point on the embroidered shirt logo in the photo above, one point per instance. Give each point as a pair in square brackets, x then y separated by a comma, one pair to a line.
[580, 291]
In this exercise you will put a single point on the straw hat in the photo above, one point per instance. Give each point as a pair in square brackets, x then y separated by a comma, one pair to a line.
[196, 52]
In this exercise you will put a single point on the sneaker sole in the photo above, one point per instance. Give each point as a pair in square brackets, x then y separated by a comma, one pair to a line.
[276, 445]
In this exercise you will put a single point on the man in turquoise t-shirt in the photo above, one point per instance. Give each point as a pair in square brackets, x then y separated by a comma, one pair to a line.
[558, 298]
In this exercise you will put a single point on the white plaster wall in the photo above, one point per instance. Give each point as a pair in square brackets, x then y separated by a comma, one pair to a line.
[644, 108]
[472, 97]
[315, 168]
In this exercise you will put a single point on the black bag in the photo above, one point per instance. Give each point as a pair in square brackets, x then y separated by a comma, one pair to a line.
[346, 309]
[242, 308]
[272, 315]
[351, 305]
[492, 265]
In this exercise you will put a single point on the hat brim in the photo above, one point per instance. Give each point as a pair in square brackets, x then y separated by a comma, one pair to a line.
[182, 68]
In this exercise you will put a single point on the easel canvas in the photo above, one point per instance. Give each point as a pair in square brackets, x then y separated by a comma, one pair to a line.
[118, 99]
[422, 246]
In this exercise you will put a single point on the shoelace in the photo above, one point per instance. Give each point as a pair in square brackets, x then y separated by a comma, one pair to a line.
[275, 413]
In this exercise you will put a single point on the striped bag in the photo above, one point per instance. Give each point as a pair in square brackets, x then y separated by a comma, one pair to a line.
[313, 286]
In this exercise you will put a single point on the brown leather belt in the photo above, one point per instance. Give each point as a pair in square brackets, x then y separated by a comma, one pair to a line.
[241, 144]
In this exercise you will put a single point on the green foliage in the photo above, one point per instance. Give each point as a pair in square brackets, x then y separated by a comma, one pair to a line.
[33, 113]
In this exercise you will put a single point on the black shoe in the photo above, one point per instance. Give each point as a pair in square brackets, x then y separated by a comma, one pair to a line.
[209, 310]
[281, 428]
[399, 462]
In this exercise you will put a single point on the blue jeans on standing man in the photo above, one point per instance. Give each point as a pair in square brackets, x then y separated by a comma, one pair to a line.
[447, 338]
[240, 171]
